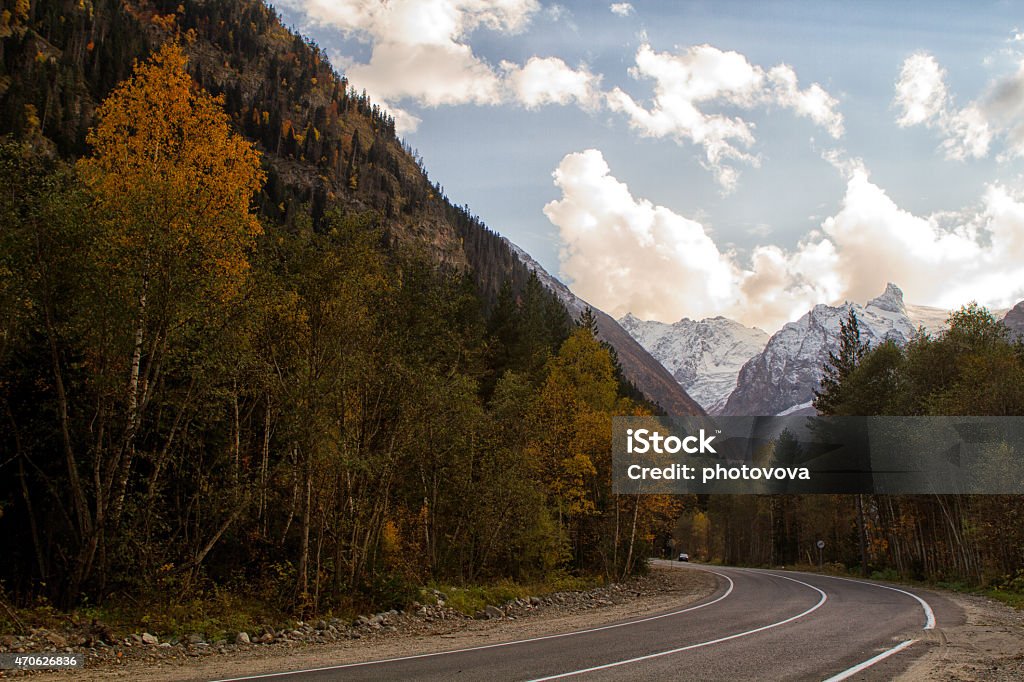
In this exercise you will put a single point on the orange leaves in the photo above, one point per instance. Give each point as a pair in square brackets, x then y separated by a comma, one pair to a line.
[165, 22]
[175, 180]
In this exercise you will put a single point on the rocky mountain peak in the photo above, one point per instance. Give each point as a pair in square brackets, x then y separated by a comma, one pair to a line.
[890, 300]
[784, 375]
[630, 320]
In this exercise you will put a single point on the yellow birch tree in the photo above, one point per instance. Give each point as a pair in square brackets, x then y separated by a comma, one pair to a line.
[173, 185]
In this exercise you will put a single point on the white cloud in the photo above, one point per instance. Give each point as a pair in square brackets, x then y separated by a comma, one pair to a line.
[431, 74]
[549, 80]
[689, 82]
[942, 260]
[968, 133]
[625, 254]
[920, 90]
[623, 9]
[813, 103]
[418, 21]
[996, 117]
[420, 49]
[1003, 106]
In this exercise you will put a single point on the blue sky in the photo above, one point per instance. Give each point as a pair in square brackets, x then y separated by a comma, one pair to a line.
[735, 158]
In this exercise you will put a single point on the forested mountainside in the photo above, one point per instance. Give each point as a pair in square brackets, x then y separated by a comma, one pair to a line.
[322, 142]
[247, 347]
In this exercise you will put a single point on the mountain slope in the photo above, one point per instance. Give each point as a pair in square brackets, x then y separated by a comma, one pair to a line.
[373, 345]
[704, 356]
[322, 143]
[646, 372]
[1014, 320]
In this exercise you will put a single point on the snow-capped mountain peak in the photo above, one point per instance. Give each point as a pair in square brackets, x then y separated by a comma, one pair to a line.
[735, 370]
[704, 356]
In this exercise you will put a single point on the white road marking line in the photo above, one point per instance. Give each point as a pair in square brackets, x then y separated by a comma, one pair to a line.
[494, 646]
[850, 672]
[821, 602]
[929, 615]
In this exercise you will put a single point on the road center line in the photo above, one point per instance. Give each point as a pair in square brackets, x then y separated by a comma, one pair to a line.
[821, 602]
[647, 619]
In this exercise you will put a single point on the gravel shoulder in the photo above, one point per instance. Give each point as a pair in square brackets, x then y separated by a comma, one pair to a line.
[987, 647]
[421, 631]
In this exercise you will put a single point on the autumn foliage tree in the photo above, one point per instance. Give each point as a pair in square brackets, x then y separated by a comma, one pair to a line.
[172, 187]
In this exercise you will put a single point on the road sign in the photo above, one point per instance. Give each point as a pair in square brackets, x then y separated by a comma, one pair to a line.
[821, 544]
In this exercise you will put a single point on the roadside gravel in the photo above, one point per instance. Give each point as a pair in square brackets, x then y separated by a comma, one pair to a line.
[421, 629]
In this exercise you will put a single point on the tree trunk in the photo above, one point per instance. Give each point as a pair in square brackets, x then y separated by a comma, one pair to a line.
[133, 417]
[862, 533]
[632, 538]
[264, 466]
[304, 546]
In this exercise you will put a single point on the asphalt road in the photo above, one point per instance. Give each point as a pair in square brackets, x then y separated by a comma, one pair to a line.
[758, 625]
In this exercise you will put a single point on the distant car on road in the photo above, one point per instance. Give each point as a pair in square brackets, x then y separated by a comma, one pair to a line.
[683, 556]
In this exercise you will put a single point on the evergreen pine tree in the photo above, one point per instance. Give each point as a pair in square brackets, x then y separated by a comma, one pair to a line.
[587, 320]
[840, 365]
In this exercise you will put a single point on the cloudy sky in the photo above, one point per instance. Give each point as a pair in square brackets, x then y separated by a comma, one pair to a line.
[694, 159]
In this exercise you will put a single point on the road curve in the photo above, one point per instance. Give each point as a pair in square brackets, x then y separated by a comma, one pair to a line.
[758, 625]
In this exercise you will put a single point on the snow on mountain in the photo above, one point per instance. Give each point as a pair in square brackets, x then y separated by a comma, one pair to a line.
[785, 374]
[704, 356]
[932, 319]
[639, 367]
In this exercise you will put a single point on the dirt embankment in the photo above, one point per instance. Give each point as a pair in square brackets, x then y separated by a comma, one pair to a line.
[988, 647]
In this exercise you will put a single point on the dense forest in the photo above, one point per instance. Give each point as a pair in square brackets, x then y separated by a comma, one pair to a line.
[973, 368]
[246, 346]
